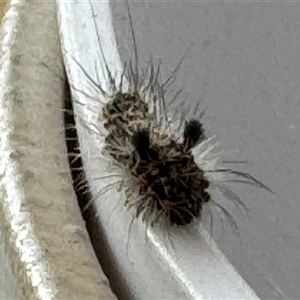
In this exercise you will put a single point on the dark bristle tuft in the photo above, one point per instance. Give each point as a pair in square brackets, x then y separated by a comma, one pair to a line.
[193, 133]
[141, 142]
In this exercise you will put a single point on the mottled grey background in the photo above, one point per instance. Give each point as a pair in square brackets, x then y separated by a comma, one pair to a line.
[244, 65]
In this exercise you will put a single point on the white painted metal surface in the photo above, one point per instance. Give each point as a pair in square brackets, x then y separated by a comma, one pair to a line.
[179, 265]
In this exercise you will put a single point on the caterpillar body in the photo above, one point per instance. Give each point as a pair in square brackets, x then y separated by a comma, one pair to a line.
[167, 161]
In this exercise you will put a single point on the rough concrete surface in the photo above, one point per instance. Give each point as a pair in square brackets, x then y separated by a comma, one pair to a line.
[45, 250]
[2, 6]
[244, 65]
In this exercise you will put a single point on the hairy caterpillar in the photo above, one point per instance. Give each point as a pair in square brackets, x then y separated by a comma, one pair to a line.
[165, 159]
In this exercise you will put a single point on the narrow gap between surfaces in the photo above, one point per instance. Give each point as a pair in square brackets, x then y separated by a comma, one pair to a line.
[96, 233]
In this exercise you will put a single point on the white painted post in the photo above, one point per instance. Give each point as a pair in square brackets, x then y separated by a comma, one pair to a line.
[187, 265]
